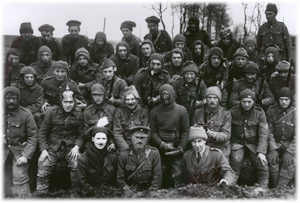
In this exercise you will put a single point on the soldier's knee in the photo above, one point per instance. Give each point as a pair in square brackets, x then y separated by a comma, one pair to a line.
[44, 171]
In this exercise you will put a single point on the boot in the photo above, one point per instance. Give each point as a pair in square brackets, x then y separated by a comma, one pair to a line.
[282, 182]
[42, 185]
[273, 179]
[73, 177]
[22, 190]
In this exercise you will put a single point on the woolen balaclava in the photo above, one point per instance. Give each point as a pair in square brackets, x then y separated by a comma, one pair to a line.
[17, 92]
[179, 38]
[274, 51]
[27, 70]
[159, 57]
[170, 90]
[123, 44]
[82, 52]
[98, 89]
[215, 51]
[40, 51]
[26, 27]
[148, 41]
[213, 90]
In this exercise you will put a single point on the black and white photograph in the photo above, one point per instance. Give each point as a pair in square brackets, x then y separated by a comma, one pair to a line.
[149, 100]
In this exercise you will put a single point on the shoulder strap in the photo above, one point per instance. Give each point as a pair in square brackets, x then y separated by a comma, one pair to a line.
[283, 117]
[140, 165]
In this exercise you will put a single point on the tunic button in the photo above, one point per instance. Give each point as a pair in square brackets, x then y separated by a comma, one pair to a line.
[131, 121]
[283, 112]
[245, 128]
[8, 145]
[282, 128]
[7, 130]
[245, 120]
[8, 138]
[283, 121]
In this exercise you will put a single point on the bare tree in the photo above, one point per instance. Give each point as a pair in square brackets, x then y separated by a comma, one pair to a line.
[159, 8]
[172, 6]
[245, 5]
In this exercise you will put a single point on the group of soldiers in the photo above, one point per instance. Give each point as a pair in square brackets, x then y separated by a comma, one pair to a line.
[155, 114]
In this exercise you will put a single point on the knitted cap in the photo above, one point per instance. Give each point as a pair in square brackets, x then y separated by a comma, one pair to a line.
[197, 133]
[152, 19]
[44, 49]
[47, 28]
[148, 41]
[108, 63]
[168, 88]
[177, 50]
[61, 64]
[73, 23]
[101, 35]
[272, 50]
[157, 56]
[216, 51]
[247, 93]
[251, 68]
[130, 90]
[13, 51]
[82, 52]
[241, 52]
[285, 92]
[27, 70]
[25, 27]
[97, 89]
[283, 66]
[190, 67]
[271, 7]
[179, 38]
[12, 89]
[250, 40]
[213, 90]
[128, 24]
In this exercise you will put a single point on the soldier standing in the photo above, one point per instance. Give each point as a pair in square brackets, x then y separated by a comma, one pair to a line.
[20, 140]
[249, 136]
[254, 54]
[140, 165]
[274, 33]
[129, 115]
[160, 38]
[27, 44]
[147, 49]
[73, 41]
[48, 40]
[132, 40]
[175, 66]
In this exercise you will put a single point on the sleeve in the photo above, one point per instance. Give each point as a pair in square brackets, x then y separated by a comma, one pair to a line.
[268, 98]
[111, 51]
[184, 129]
[234, 96]
[121, 179]
[80, 133]
[226, 171]
[138, 84]
[224, 134]
[85, 123]
[287, 43]
[119, 89]
[263, 133]
[59, 52]
[153, 126]
[271, 140]
[39, 101]
[82, 171]
[134, 67]
[157, 171]
[31, 131]
[44, 130]
[292, 147]
[98, 76]
[118, 131]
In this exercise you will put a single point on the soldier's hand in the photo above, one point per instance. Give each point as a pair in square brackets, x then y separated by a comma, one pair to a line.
[288, 159]
[22, 160]
[211, 134]
[4, 139]
[175, 153]
[111, 147]
[102, 122]
[274, 74]
[223, 185]
[112, 99]
[81, 84]
[220, 85]
[273, 156]
[166, 147]
[74, 153]
[263, 159]
[45, 107]
[43, 156]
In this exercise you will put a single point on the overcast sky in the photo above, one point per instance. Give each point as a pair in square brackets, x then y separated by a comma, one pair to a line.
[92, 14]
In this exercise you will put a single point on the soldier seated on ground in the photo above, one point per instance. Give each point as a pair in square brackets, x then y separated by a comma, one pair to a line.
[139, 166]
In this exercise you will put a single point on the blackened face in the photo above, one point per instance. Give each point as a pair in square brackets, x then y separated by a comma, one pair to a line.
[100, 42]
[26, 35]
[98, 98]
[165, 97]
[250, 48]
[251, 77]
[193, 26]
[283, 75]
[226, 41]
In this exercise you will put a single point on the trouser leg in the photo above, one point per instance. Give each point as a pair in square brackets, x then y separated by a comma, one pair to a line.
[236, 158]
[20, 181]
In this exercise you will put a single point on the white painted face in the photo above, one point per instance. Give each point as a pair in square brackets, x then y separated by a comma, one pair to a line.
[99, 140]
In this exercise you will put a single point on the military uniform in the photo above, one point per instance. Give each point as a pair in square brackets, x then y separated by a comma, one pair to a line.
[55, 47]
[187, 56]
[274, 34]
[42, 71]
[282, 124]
[149, 175]
[162, 42]
[53, 89]
[249, 134]
[242, 84]
[219, 122]
[142, 82]
[70, 46]
[125, 119]
[15, 74]
[134, 45]
[28, 49]
[212, 167]
[229, 50]
[186, 92]
[117, 90]
[98, 54]
[276, 84]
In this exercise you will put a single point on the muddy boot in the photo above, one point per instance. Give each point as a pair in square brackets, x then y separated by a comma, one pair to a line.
[22, 190]
[73, 179]
[282, 182]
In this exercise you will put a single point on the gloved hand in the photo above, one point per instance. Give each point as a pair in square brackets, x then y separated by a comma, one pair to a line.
[45, 107]
[175, 153]
[288, 159]
[223, 186]
[166, 147]
[273, 157]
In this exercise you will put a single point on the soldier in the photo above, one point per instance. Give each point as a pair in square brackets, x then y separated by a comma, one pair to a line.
[132, 40]
[185, 88]
[44, 66]
[97, 165]
[147, 49]
[198, 162]
[193, 33]
[198, 52]
[56, 84]
[253, 82]
[31, 94]
[176, 65]
[127, 64]
[160, 38]
[20, 139]
[148, 81]
[114, 86]
[216, 120]
[254, 54]
[215, 73]
[169, 123]
[60, 137]
[99, 109]
[179, 42]
[85, 73]
[274, 33]
[228, 44]
[282, 144]
[270, 62]
[280, 78]
[140, 165]
[12, 67]
[129, 115]
[100, 48]
[27, 44]
[48, 40]
[73, 41]
[249, 136]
